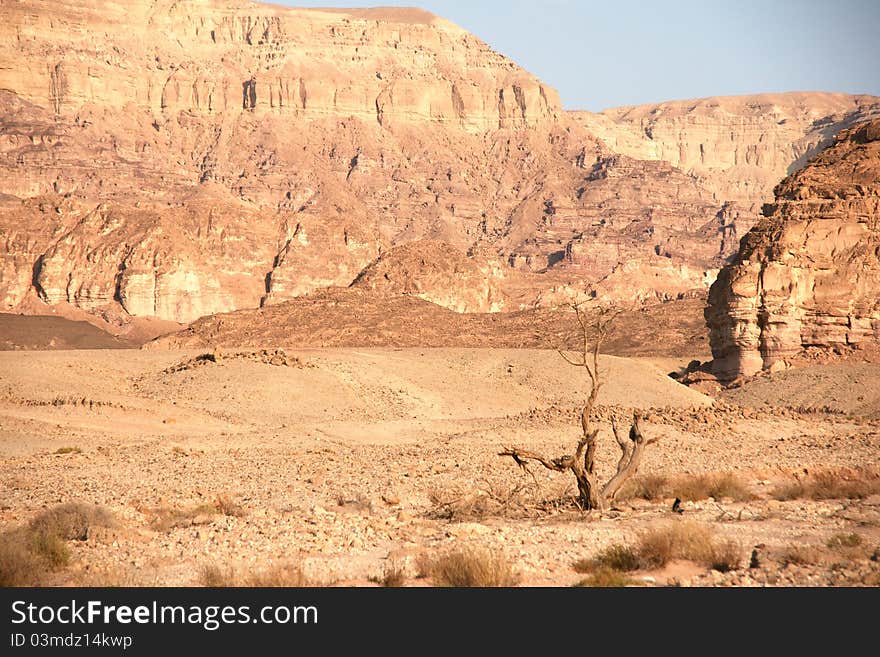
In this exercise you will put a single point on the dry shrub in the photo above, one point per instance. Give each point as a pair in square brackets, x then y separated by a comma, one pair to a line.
[279, 576]
[685, 540]
[800, 555]
[27, 553]
[469, 568]
[476, 505]
[227, 507]
[166, 518]
[283, 576]
[849, 546]
[717, 485]
[358, 504]
[71, 521]
[616, 557]
[830, 485]
[838, 541]
[393, 576]
[608, 578]
[50, 549]
[725, 556]
[657, 547]
[647, 487]
[214, 576]
[19, 566]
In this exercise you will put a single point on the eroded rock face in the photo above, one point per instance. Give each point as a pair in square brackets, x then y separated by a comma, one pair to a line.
[196, 157]
[210, 58]
[437, 272]
[738, 147]
[809, 273]
[174, 159]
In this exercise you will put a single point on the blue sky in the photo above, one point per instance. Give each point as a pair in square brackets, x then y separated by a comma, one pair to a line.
[607, 53]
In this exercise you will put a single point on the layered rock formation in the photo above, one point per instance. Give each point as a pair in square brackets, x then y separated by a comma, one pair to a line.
[174, 159]
[320, 138]
[809, 273]
[391, 66]
[737, 147]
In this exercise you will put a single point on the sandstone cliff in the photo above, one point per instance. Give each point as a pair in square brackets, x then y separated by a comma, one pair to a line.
[183, 158]
[809, 273]
[174, 159]
[738, 147]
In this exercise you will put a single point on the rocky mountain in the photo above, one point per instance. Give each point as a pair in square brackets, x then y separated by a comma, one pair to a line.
[808, 275]
[738, 147]
[175, 159]
[178, 159]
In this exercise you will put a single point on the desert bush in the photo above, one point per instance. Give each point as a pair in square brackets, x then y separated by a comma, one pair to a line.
[279, 576]
[800, 555]
[227, 507]
[28, 553]
[499, 501]
[393, 576]
[19, 566]
[616, 557]
[647, 487]
[830, 485]
[214, 576]
[469, 568]
[717, 485]
[658, 546]
[50, 549]
[608, 578]
[725, 556]
[358, 503]
[686, 540]
[166, 518]
[284, 576]
[71, 521]
[850, 540]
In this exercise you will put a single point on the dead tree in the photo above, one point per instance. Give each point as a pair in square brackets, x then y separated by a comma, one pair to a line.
[592, 333]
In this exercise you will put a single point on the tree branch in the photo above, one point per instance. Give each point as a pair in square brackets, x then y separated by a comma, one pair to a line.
[523, 456]
[629, 462]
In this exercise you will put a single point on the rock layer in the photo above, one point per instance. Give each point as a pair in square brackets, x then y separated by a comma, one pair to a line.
[809, 273]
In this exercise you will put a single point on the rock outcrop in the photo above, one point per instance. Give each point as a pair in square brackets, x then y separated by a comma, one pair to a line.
[808, 275]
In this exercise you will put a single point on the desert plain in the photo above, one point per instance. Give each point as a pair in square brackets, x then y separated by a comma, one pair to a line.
[347, 466]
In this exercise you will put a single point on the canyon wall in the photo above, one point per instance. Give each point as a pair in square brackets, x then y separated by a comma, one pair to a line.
[738, 147]
[174, 159]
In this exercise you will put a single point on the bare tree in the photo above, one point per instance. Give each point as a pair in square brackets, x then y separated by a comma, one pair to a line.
[592, 333]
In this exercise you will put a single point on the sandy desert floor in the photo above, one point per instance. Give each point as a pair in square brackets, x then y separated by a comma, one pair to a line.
[347, 464]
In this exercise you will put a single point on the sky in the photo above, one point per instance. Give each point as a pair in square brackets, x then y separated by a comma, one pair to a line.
[607, 53]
